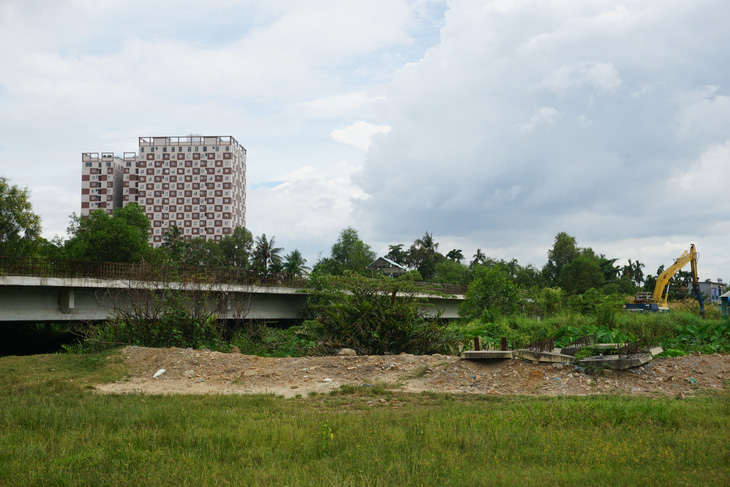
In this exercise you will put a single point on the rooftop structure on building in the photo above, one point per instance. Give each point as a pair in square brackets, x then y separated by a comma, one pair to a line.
[197, 183]
[387, 267]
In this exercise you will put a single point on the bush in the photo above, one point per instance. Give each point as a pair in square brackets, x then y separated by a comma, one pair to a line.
[376, 316]
[173, 330]
[264, 341]
[157, 318]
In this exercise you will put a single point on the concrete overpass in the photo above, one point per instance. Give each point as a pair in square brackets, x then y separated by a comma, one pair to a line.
[25, 298]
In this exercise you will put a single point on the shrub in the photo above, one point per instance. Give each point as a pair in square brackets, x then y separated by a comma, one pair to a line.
[376, 316]
[156, 318]
[262, 340]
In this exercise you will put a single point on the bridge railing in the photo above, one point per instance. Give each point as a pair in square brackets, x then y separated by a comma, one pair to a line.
[65, 268]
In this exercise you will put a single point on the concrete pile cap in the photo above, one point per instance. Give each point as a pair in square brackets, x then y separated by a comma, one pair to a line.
[487, 354]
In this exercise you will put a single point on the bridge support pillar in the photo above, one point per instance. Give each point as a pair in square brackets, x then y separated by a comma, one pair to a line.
[66, 302]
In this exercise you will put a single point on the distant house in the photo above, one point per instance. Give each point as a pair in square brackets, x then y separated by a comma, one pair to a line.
[387, 267]
[713, 290]
[723, 303]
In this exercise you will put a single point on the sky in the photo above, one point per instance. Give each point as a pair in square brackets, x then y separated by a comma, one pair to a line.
[492, 125]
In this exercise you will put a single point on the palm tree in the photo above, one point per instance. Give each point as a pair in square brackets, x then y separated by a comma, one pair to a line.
[295, 263]
[396, 254]
[638, 274]
[633, 271]
[456, 255]
[427, 244]
[423, 255]
[265, 255]
[479, 258]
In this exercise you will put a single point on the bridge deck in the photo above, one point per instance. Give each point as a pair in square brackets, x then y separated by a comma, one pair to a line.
[60, 299]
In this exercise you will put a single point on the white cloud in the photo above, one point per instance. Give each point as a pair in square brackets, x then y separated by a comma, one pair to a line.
[359, 134]
[704, 114]
[344, 105]
[542, 116]
[308, 209]
[601, 77]
[535, 117]
[509, 121]
[709, 176]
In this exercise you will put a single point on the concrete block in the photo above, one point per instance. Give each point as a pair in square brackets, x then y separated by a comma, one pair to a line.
[548, 357]
[618, 362]
[487, 354]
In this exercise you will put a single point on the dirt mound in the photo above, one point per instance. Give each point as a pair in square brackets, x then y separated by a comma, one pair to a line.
[188, 371]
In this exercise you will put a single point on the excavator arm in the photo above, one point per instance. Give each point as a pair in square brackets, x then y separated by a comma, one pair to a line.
[660, 294]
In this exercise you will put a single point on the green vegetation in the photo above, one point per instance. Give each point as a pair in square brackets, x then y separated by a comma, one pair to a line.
[20, 228]
[376, 316]
[348, 255]
[118, 238]
[491, 294]
[55, 431]
[578, 290]
[682, 331]
[267, 341]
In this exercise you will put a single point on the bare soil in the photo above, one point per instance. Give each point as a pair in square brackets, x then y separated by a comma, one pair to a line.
[188, 371]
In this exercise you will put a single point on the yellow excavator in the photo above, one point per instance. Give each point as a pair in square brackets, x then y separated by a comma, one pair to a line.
[657, 301]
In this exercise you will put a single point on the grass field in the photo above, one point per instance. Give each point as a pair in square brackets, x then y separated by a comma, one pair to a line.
[55, 430]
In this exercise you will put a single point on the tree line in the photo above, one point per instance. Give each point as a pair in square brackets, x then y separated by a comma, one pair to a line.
[123, 237]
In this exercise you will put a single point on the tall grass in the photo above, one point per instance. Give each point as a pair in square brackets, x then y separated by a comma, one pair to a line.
[651, 328]
[55, 431]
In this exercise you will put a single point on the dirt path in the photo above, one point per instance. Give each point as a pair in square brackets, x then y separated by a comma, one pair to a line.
[188, 371]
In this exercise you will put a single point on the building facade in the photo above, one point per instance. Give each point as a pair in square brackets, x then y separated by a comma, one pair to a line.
[197, 183]
[101, 181]
[713, 290]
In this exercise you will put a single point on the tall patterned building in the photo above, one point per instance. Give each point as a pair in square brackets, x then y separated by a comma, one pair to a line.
[195, 182]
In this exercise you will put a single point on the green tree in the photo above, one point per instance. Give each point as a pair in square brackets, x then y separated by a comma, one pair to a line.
[237, 248]
[455, 255]
[491, 294]
[609, 269]
[118, 238]
[397, 254]
[448, 271]
[528, 276]
[634, 272]
[200, 252]
[174, 247]
[564, 250]
[581, 274]
[349, 253]
[423, 255]
[295, 263]
[266, 257]
[20, 228]
[479, 258]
